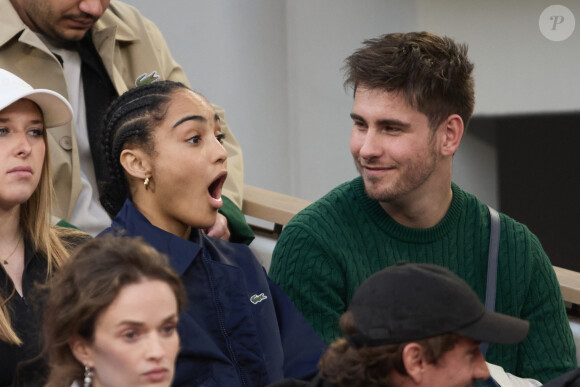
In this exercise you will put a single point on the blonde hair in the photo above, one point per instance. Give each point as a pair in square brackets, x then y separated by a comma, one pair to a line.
[36, 228]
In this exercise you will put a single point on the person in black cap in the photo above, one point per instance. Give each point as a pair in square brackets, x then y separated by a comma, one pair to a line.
[416, 325]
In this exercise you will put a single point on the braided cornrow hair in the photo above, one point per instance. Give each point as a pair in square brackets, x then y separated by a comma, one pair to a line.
[130, 119]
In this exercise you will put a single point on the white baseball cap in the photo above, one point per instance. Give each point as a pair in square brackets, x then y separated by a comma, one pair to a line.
[55, 108]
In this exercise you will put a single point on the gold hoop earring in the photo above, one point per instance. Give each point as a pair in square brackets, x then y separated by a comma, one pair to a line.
[146, 182]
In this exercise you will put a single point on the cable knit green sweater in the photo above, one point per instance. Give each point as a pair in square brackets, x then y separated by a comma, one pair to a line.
[331, 247]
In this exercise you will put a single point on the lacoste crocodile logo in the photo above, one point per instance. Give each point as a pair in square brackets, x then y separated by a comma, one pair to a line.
[145, 79]
[258, 298]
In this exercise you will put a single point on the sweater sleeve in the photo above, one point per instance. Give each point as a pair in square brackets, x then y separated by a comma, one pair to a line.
[311, 278]
[549, 349]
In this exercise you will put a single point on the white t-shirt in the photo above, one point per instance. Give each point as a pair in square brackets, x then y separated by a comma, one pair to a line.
[505, 379]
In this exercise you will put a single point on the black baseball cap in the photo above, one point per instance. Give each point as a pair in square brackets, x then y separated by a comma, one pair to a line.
[409, 302]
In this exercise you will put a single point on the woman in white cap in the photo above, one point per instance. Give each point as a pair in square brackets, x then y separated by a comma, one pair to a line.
[30, 248]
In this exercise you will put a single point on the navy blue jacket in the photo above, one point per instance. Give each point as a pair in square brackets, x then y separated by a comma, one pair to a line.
[239, 328]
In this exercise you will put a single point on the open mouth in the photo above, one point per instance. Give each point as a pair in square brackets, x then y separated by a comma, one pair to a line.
[215, 188]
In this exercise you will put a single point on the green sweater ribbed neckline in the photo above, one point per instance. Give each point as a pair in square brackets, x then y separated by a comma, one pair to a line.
[374, 210]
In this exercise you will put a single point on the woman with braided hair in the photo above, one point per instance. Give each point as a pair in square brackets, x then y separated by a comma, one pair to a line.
[167, 168]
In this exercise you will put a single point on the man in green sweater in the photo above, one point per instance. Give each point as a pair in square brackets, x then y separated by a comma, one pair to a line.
[413, 98]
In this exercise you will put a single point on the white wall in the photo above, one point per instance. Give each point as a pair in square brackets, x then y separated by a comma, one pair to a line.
[321, 34]
[274, 65]
[234, 53]
[516, 68]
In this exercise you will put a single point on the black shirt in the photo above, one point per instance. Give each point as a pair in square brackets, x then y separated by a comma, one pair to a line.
[24, 314]
[22, 365]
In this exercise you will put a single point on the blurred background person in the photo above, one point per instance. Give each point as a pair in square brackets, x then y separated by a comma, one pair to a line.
[111, 317]
[30, 248]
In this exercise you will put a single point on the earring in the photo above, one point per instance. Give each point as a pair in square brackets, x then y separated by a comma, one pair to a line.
[146, 182]
[88, 377]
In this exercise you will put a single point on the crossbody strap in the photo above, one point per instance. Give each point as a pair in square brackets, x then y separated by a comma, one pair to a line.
[492, 260]
[491, 286]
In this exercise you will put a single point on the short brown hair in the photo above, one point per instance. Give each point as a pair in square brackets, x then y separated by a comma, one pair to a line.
[348, 366]
[430, 71]
[86, 286]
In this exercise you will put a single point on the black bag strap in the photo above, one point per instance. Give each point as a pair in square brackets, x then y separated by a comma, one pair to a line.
[491, 286]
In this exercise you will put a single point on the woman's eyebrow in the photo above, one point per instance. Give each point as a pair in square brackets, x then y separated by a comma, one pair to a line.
[32, 122]
[189, 118]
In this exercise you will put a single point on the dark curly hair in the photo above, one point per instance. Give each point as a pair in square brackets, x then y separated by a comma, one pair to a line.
[348, 366]
[431, 72]
[130, 119]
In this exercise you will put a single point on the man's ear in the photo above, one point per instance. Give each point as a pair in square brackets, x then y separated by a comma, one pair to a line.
[452, 132]
[81, 350]
[414, 361]
[136, 163]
